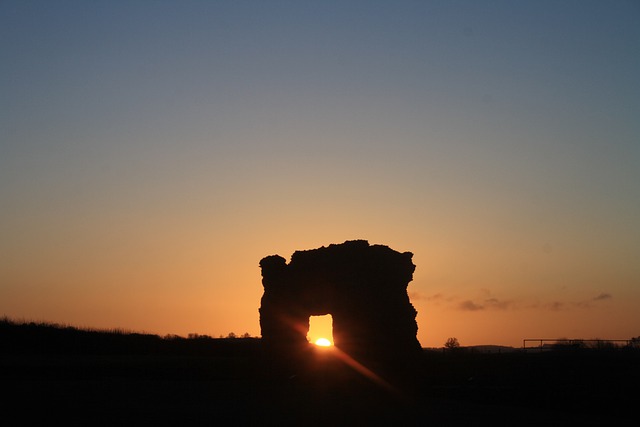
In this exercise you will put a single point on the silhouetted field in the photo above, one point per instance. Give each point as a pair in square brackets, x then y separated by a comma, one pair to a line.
[54, 375]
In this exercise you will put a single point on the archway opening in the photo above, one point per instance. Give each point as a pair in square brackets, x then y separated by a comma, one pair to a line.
[321, 330]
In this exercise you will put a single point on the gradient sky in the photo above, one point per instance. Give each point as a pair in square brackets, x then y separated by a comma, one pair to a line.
[152, 152]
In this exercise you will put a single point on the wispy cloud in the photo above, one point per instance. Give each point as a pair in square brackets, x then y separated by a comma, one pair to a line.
[603, 296]
[434, 299]
[485, 301]
[555, 306]
[487, 304]
[567, 305]
[498, 304]
[469, 305]
[597, 299]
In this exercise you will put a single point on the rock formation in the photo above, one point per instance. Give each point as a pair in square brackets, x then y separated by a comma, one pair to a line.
[363, 287]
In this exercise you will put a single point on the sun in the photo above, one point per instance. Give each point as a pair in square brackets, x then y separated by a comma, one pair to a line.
[323, 342]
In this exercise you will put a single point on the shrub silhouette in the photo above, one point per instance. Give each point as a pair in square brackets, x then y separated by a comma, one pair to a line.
[452, 343]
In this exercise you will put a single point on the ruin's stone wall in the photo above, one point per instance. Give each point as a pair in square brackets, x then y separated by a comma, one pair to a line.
[363, 287]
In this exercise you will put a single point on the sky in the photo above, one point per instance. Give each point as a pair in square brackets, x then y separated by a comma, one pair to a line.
[152, 152]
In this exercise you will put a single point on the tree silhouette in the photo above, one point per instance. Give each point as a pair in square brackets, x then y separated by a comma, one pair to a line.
[452, 343]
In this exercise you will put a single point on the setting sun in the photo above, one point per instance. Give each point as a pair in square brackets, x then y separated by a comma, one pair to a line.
[321, 330]
[323, 342]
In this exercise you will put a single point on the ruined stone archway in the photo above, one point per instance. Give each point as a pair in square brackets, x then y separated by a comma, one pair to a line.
[363, 287]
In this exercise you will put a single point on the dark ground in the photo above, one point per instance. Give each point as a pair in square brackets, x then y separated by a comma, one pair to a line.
[116, 380]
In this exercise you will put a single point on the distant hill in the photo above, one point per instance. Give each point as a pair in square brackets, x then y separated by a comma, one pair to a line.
[484, 349]
[491, 349]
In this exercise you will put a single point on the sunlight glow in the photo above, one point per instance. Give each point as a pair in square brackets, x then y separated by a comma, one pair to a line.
[320, 327]
[323, 342]
[363, 370]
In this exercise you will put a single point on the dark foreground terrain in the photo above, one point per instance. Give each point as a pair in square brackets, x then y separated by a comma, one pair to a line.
[64, 376]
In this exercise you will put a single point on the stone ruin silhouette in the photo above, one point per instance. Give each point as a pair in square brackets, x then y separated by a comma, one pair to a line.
[363, 287]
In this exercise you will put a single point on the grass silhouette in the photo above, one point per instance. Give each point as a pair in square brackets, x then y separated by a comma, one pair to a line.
[59, 373]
